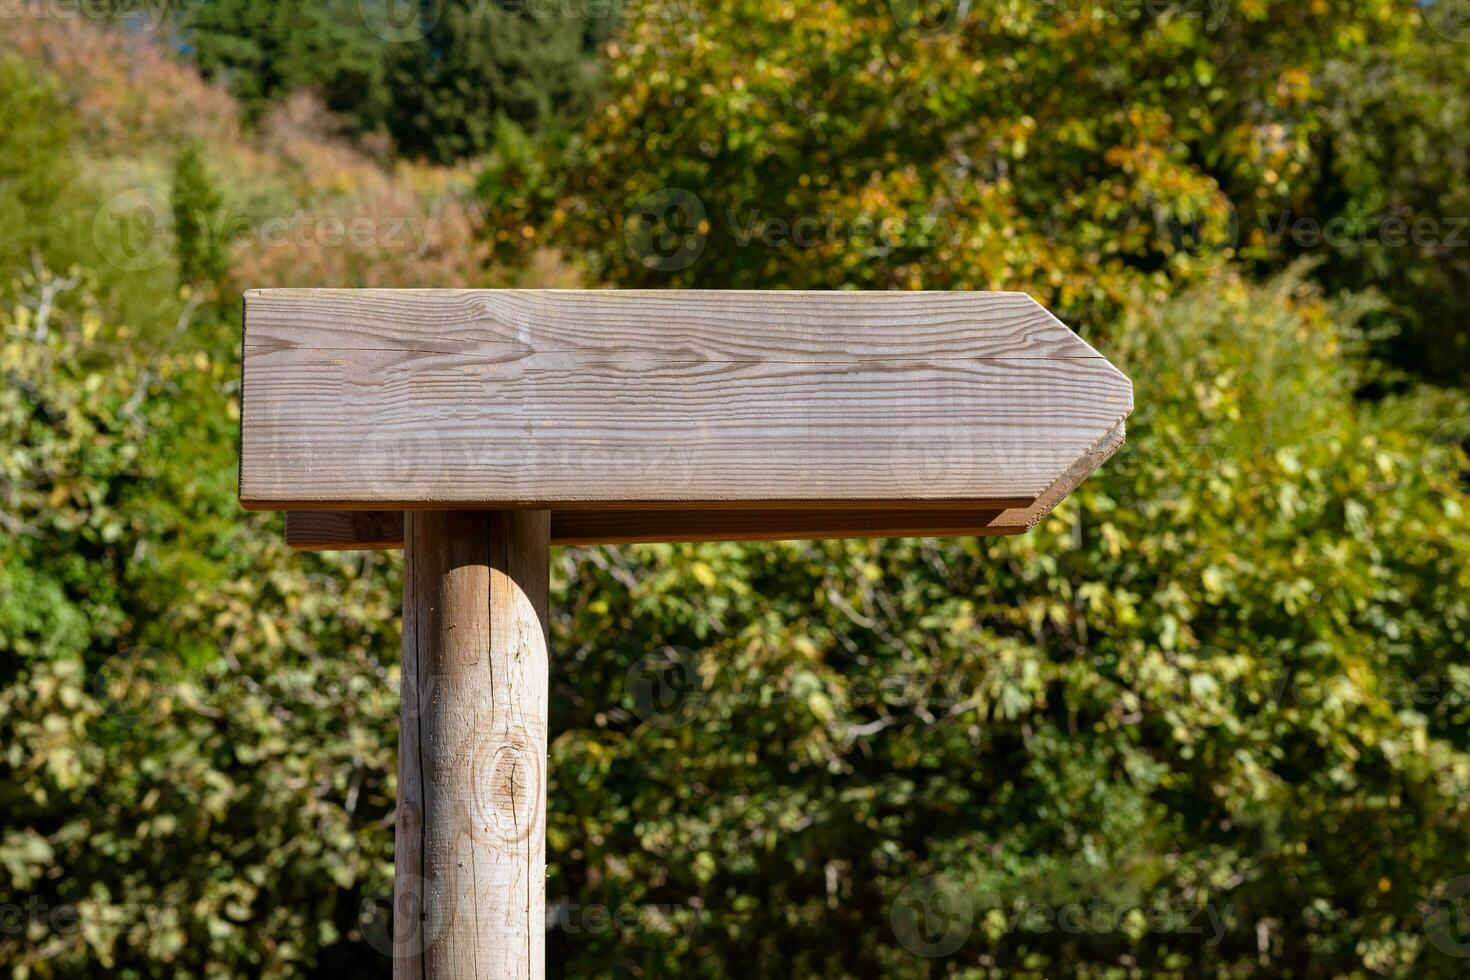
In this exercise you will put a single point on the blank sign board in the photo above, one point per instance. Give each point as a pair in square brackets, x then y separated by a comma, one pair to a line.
[669, 414]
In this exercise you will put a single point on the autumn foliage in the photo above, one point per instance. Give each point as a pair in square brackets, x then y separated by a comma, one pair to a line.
[1211, 718]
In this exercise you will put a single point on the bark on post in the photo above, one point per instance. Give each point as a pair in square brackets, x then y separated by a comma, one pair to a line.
[470, 872]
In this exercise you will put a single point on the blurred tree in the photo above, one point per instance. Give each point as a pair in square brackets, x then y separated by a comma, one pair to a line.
[264, 49]
[437, 75]
[485, 60]
[519, 175]
[481, 60]
[41, 204]
[1070, 150]
[1390, 208]
[200, 244]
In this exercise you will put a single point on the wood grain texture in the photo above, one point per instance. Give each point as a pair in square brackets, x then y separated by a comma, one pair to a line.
[367, 530]
[470, 851]
[344, 530]
[1021, 520]
[680, 399]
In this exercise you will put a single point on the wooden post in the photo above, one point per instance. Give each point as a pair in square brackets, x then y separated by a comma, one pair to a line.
[470, 875]
[621, 416]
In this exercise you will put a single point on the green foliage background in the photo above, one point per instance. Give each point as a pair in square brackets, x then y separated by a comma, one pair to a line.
[1217, 701]
[435, 75]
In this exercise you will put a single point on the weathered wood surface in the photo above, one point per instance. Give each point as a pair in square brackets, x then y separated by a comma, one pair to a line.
[340, 530]
[470, 864]
[641, 400]
[372, 530]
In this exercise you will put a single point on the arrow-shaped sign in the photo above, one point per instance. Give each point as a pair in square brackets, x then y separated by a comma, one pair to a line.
[670, 415]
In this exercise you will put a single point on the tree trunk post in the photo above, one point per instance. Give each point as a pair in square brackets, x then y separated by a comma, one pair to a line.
[470, 853]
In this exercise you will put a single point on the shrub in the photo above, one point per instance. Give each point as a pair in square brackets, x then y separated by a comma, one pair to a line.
[1221, 686]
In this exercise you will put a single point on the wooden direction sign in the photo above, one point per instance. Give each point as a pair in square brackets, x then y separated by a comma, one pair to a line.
[625, 405]
[476, 428]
